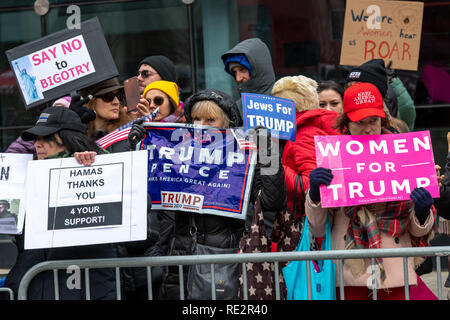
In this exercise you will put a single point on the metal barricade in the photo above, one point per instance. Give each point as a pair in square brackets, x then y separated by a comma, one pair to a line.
[276, 257]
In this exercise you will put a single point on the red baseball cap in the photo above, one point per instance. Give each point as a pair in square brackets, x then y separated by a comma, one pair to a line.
[363, 100]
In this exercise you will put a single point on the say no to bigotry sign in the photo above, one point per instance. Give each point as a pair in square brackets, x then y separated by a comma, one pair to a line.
[62, 62]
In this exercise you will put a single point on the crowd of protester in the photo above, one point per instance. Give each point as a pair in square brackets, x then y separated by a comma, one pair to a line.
[323, 108]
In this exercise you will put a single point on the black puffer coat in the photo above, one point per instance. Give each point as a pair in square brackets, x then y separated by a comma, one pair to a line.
[218, 231]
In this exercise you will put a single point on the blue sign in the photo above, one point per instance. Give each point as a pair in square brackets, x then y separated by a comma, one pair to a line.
[275, 114]
[198, 169]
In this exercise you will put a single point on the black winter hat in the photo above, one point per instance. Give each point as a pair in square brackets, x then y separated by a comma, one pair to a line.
[54, 119]
[224, 101]
[372, 71]
[163, 65]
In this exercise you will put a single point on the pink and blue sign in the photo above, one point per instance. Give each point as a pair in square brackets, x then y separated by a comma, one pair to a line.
[375, 168]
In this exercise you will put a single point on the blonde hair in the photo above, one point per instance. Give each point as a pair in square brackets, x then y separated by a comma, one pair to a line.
[302, 90]
[112, 124]
[208, 108]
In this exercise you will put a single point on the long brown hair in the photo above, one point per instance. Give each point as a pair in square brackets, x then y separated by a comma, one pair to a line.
[112, 124]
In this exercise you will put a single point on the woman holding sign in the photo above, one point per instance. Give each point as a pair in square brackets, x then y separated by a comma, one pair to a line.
[214, 108]
[299, 156]
[59, 133]
[398, 224]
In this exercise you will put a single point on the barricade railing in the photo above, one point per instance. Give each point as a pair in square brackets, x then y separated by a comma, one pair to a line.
[276, 257]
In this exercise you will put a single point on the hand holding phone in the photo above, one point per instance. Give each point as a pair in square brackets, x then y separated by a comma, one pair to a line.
[132, 93]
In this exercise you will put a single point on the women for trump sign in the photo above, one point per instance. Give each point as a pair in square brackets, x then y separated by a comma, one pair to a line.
[375, 168]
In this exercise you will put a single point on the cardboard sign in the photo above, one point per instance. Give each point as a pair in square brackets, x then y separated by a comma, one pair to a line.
[275, 114]
[69, 204]
[13, 172]
[388, 30]
[375, 168]
[65, 61]
[198, 169]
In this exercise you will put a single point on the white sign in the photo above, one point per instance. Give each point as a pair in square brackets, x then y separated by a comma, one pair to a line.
[13, 172]
[69, 204]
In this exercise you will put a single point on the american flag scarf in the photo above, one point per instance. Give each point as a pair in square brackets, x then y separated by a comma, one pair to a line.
[122, 132]
[366, 223]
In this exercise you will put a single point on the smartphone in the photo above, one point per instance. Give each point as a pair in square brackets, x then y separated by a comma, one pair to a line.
[132, 93]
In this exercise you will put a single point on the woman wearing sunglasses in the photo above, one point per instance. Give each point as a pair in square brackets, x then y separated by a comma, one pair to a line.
[164, 96]
[107, 102]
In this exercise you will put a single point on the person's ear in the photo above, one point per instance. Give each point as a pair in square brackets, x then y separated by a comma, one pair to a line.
[58, 138]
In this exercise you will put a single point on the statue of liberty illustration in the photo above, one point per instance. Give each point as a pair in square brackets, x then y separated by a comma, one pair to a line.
[28, 84]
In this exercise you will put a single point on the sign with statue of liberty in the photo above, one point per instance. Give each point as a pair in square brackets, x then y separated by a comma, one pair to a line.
[57, 64]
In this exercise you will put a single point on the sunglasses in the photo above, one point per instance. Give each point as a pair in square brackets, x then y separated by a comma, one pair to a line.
[145, 74]
[109, 96]
[158, 101]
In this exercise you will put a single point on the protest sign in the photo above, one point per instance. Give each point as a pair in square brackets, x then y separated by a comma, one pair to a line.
[197, 169]
[13, 172]
[275, 114]
[69, 204]
[375, 168]
[388, 30]
[65, 61]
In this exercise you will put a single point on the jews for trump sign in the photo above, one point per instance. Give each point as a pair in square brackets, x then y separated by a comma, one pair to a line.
[388, 30]
[69, 204]
[375, 168]
[198, 169]
[275, 114]
[59, 63]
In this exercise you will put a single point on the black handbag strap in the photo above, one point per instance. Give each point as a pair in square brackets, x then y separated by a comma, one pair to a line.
[294, 205]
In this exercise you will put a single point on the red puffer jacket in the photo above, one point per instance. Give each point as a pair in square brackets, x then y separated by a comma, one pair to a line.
[300, 156]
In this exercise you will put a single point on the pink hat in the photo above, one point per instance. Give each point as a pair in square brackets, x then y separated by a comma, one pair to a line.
[64, 102]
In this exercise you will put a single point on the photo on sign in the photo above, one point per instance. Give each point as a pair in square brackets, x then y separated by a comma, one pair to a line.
[27, 79]
[9, 211]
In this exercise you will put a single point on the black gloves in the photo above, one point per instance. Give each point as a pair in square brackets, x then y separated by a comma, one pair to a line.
[422, 203]
[77, 104]
[390, 72]
[137, 133]
[317, 177]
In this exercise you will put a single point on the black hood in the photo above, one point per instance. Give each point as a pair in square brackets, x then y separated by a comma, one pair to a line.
[224, 101]
[262, 74]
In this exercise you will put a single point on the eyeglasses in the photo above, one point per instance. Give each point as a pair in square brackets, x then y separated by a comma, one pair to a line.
[109, 96]
[145, 74]
[157, 100]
